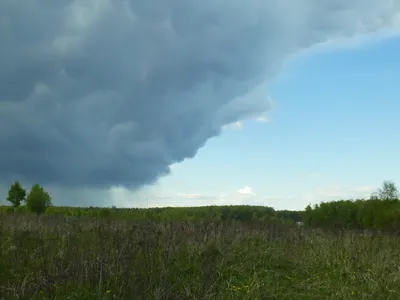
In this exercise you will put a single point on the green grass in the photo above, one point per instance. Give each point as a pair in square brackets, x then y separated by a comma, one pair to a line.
[56, 257]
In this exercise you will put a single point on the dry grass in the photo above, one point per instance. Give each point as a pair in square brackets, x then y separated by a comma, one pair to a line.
[84, 258]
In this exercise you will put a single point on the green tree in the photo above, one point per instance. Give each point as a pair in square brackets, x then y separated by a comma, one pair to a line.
[16, 194]
[387, 192]
[38, 199]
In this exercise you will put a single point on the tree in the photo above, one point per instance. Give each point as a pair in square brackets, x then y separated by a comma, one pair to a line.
[387, 192]
[16, 194]
[38, 199]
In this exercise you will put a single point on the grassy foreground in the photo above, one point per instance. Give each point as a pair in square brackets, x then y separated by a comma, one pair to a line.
[57, 257]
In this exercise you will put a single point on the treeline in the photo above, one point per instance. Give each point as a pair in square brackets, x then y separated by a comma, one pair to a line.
[207, 213]
[381, 211]
[359, 214]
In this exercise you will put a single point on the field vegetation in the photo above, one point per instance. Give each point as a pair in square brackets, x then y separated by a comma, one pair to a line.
[345, 250]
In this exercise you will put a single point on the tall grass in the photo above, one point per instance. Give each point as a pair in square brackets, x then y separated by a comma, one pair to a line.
[56, 257]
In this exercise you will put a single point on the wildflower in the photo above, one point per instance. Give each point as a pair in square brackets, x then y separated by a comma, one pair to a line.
[108, 291]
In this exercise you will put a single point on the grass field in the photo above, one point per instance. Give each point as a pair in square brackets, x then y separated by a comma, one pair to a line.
[57, 257]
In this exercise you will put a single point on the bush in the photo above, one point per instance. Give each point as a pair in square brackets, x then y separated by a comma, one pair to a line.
[38, 200]
[104, 213]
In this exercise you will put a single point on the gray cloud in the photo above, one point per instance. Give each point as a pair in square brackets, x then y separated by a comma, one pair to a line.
[100, 93]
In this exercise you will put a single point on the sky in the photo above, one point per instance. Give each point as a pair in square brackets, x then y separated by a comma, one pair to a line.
[330, 135]
[177, 103]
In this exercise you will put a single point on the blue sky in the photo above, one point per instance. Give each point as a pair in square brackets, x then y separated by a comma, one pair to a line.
[333, 133]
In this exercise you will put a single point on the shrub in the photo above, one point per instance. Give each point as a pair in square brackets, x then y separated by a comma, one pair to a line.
[104, 213]
[38, 199]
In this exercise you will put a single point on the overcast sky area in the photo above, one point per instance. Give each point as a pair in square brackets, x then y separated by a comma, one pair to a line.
[139, 103]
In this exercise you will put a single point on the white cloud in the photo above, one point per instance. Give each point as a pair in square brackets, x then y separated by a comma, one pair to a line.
[247, 190]
[172, 166]
[233, 126]
[263, 119]
[123, 197]
[189, 195]
[239, 124]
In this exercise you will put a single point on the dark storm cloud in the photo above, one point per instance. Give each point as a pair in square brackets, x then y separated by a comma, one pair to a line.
[101, 92]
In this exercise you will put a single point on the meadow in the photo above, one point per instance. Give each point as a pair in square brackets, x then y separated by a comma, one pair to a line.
[56, 256]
